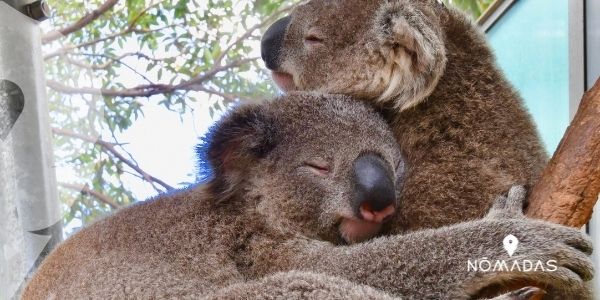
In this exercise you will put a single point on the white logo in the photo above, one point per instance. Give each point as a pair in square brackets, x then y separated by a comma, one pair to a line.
[510, 244]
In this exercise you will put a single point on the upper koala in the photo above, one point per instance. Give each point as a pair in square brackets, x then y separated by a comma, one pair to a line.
[391, 51]
[461, 127]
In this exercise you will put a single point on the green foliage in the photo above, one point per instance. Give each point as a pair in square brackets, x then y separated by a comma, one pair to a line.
[175, 52]
[475, 8]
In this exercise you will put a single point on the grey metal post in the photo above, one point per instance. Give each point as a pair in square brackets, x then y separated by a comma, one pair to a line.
[30, 217]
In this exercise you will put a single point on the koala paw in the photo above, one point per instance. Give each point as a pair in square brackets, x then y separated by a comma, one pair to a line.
[547, 255]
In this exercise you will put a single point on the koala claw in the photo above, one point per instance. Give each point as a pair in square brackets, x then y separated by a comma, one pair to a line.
[527, 293]
[579, 264]
[582, 243]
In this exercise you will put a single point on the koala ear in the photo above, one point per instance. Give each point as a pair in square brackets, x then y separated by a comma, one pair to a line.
[410, 37]
[233, 146]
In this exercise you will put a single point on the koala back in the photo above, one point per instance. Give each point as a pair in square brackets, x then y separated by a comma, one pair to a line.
[470, 140]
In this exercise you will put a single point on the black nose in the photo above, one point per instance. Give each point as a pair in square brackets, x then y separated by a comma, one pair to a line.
[270, 45]
[373, 183]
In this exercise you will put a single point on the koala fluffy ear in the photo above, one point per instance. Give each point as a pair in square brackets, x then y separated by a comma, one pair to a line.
[411, 39]
[233, 146]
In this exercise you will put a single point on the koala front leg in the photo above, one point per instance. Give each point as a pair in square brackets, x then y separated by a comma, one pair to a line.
[305, 285]
[434, 264]
[570, 281]
[300, 285]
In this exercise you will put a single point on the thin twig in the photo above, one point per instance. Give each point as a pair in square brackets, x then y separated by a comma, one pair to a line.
[151, 89]
[110, 148]
[130, 29]
[84, 21]
[85, 189]
[106, 65]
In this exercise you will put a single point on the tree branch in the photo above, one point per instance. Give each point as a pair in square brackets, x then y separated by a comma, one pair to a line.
[139, 91]
[569, 187]
[85, 189]
[66, 49]
[151, 89]
[214, 71]
[101, 66]
[130, 28]
[249, 32]
[106, 65]
[110, 148]
[87, 19]
[112, 59]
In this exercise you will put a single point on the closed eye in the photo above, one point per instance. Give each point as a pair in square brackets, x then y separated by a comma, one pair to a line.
[313, 39]
[318, 167]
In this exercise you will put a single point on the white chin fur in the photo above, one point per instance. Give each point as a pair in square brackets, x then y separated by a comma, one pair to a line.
[284, 81]
[405, 88]
[354, 231]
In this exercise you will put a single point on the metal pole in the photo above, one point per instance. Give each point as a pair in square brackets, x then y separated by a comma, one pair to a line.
[30, 216]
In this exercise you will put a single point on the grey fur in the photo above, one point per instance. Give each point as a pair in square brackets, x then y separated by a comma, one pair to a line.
[265, 226]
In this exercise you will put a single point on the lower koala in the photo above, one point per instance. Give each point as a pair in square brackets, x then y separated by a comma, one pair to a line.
[299, 189]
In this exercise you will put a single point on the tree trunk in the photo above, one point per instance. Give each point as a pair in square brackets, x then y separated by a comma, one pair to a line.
[570, 184]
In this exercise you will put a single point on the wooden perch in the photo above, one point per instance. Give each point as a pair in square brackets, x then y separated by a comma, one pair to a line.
[570, 184]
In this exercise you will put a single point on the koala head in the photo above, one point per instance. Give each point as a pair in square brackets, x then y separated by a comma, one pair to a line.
[327, 167]
[389, 51]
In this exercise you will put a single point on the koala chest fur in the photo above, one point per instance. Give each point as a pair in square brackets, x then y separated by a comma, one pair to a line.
[463, 129]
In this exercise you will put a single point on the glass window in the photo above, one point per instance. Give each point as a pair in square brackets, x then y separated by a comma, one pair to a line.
[531, 42]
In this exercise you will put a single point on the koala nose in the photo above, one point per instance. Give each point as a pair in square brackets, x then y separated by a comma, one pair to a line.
[375, 193]
[271, 42]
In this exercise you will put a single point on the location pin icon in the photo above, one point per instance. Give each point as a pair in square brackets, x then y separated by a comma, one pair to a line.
[510, 244]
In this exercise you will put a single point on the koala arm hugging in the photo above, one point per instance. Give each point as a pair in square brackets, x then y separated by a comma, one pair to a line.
[283, 214]
[433, 264]
[434, 267]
